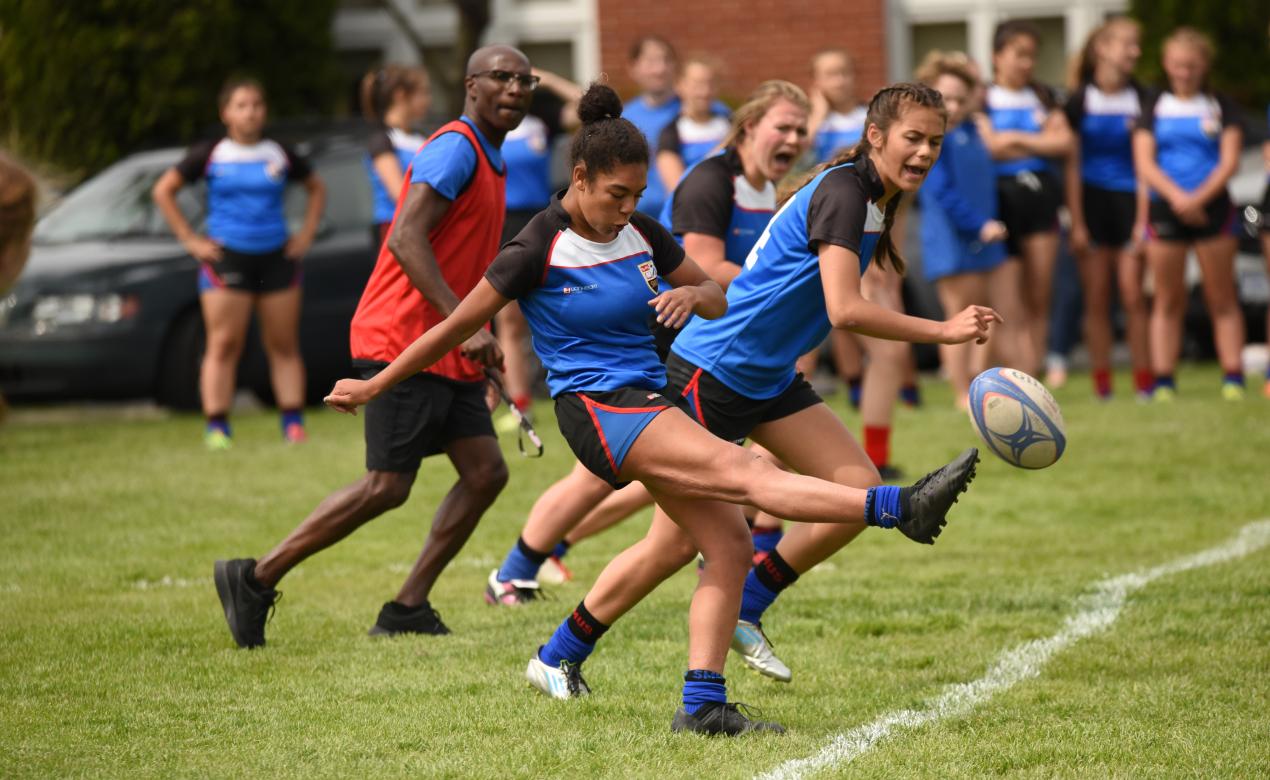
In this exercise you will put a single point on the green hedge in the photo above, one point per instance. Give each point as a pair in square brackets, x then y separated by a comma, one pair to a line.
[84, 82]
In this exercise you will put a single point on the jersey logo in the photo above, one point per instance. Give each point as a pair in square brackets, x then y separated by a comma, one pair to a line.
[649, 270]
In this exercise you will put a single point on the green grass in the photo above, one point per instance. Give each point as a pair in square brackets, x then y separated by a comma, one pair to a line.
[114, 658]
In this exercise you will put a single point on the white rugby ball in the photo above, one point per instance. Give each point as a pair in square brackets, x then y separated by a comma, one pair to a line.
[1017, 418]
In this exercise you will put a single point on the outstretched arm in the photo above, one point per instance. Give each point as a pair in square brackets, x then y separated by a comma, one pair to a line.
[478, 308]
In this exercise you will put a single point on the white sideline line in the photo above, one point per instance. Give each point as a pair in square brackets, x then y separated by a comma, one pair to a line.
[1096, 611]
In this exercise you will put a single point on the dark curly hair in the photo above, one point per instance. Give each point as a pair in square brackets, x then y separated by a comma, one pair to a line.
[605, 140]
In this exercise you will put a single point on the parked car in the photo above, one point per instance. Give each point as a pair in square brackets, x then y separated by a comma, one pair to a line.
[108, 304]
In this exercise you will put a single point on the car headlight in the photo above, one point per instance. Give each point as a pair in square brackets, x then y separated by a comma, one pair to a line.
[59, 311]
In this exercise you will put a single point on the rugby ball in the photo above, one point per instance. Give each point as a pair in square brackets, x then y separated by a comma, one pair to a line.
[1017, 418]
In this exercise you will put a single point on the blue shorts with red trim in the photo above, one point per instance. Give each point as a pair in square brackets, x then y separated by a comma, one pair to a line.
[601, 426]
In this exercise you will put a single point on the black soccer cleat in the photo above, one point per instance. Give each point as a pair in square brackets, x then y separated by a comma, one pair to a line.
[927, 501]
[247, 603]
[396, 619]
[716, 717]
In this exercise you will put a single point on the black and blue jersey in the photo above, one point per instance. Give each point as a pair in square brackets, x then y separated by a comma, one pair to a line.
[776, 307]
[715, 199]
[1188, 134]
[1022, 110]
[402, 145]
[1105, 122]
[587, 303]
[245, 187]
[693, 141]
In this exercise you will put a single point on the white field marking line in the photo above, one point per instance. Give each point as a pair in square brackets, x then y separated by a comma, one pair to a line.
[1097, 610]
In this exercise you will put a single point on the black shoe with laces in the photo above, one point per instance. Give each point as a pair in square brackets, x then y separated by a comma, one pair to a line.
[927, 501]
[728, 719]
[395, 619]
[247, 603]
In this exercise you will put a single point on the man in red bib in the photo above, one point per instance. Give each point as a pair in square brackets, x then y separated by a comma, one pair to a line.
[445, 233]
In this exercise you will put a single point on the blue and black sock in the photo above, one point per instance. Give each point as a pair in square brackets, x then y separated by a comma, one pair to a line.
[763, 584]
[1165, 380]
[561, 549]
[885, 505]
[574, 639]
[855, 386]
[1233, 378]
[522, 562]
[766, 539]
[218, 422]
[291, 417]
[702, 686]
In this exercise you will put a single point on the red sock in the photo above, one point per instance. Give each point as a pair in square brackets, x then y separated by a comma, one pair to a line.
[877, 444]
[1102, 382]
[1143, 380]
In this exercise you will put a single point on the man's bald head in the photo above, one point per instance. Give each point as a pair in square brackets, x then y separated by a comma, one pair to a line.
[497, 57]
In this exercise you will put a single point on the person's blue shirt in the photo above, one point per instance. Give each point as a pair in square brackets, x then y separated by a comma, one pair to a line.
[446, 163]
[1105, 125]
[527, 152]
[693, 140]
[403, 145]
[650, 119]
[1188, 135]
[957, 199]
[839, 131]
[776, 306]
[715, 199]
[1021, 110]
[245, 188]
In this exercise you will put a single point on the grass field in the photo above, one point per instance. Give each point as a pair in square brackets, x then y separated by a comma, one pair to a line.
[116, 660]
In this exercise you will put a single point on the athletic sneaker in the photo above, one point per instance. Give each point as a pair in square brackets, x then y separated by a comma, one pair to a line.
[295, 434]
[554, 572]
[563, 682]
[397, 619]
[716, 717]
[1163, 394]
[247, 606]
[755, 649]
[1232, 391]
[930, 498]
[512, 593]
[217, 440]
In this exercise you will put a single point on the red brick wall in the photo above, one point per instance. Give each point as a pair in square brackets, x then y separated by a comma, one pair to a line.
[755, 39]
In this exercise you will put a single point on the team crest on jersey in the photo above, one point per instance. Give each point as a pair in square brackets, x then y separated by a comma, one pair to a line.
[649, 270]
[1210, 126]
[275, 170]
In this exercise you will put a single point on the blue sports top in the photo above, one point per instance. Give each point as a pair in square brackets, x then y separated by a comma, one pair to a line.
[776, 306]
[448, 161]
[245, 187]
[650, 120]
[1105, 125]
[714, 198]
[959, 196]
[838, 132]
[527, 152]
[1024, 110]
[587, 303]
[693, 140]
[389, 140]
[1188, 134]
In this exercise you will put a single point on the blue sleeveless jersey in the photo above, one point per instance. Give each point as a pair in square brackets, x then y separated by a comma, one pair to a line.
[1021, 110]
[776, 306]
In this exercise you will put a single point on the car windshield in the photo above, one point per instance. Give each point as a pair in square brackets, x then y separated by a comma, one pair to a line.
[115, 204]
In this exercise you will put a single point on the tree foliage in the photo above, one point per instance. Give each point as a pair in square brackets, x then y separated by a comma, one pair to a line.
[1240, 31]
[84, 82]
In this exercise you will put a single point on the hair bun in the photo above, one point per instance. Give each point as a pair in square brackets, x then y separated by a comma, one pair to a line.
[599, 103]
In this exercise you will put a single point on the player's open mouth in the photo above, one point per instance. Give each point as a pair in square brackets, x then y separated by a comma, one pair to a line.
[916, 171]
[783, 158]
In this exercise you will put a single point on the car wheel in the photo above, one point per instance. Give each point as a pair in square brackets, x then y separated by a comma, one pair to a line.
[179, 364]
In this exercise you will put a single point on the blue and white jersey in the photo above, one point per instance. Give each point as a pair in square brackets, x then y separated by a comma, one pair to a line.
[693, 141]
[1188, 134]
[1022, 110]
[245, 186]
[403, 145]
[776, 306]
[527, 152]
[651, 120]
[587, 303]
[714, 198]
[1104, 123]
[839, 131]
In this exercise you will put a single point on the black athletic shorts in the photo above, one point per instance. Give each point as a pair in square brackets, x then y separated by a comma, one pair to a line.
[725, 412]
[1028, 203]
[601, 426]
[253, 273]
[1163, 224]
[1109, 216]
[419, 417]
